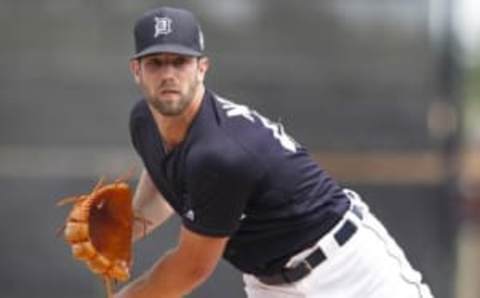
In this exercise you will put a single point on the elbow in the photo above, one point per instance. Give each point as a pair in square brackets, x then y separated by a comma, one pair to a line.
[200, 273]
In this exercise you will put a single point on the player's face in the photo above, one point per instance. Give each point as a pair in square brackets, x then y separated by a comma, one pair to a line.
[169, 81]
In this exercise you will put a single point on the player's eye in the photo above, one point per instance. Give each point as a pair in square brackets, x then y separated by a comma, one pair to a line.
[179, 61]
[154, 63]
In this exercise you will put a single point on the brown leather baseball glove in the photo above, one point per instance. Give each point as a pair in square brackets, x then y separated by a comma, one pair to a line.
[99, 229]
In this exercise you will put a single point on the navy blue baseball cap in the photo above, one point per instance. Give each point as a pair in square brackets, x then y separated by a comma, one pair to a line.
[168, 30]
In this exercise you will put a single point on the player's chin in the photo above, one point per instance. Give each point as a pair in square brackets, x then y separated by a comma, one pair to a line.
[169, 108]
[166, 98]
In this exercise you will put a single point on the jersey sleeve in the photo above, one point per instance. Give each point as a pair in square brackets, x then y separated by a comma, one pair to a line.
[219, 186]
[137, 114]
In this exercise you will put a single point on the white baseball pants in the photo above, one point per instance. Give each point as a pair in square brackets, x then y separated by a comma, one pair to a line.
[369, 265]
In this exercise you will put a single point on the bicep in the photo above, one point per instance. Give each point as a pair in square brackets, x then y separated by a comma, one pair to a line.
[218, 202]
[219, 183]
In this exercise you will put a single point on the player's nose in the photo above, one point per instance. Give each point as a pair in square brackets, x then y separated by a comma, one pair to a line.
[168, 71]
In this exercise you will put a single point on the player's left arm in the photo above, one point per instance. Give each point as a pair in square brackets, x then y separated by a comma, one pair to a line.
[179, 271]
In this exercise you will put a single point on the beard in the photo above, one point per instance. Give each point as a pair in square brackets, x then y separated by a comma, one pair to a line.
[172, 107]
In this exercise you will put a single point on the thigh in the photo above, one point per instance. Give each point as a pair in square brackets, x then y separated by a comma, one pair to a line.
[401, 279]
[370, 265]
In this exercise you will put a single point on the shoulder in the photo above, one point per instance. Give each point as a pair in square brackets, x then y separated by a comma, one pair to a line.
[139, 110]
[140, 121]
[222, 139]
[221, 155]
[139, 115]
[219, 150]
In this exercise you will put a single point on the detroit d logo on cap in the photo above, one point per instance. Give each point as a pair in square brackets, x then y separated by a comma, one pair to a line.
[163, 26]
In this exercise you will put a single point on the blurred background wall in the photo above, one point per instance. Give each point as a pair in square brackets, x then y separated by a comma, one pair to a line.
[384, 93]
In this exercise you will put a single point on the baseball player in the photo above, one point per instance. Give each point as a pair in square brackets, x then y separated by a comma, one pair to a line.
[245, 190]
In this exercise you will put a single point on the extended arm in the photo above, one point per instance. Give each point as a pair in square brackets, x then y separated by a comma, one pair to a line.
[150, 205]
[179, 271]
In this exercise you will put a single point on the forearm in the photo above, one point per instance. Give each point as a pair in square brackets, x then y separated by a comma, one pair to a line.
[149, 206]
[149, 220]
[173, 276]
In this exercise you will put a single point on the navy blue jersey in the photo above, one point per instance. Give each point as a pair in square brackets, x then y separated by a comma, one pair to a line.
[240, 175]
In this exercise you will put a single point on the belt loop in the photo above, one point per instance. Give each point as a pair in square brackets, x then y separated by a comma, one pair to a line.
[350, 194]
[307, 265]
[356, 205]
[357, 211]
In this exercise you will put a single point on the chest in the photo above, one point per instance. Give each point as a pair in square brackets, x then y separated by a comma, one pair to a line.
[169, 172]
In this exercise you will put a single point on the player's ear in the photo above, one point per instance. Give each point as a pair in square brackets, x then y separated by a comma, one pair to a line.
[203, 66]
[134, 65]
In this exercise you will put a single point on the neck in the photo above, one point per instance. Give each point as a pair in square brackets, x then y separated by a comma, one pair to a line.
[174, 128]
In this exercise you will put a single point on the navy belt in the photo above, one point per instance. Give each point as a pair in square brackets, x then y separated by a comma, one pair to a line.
[315, 258]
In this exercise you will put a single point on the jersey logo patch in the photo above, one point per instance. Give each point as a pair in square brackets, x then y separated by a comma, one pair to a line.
[190, 215]
[163, 26]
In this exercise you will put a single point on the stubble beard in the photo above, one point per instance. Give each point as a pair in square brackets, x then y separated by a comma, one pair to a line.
[172, 108]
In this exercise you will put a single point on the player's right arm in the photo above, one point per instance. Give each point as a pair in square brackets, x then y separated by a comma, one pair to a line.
[150, 205]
